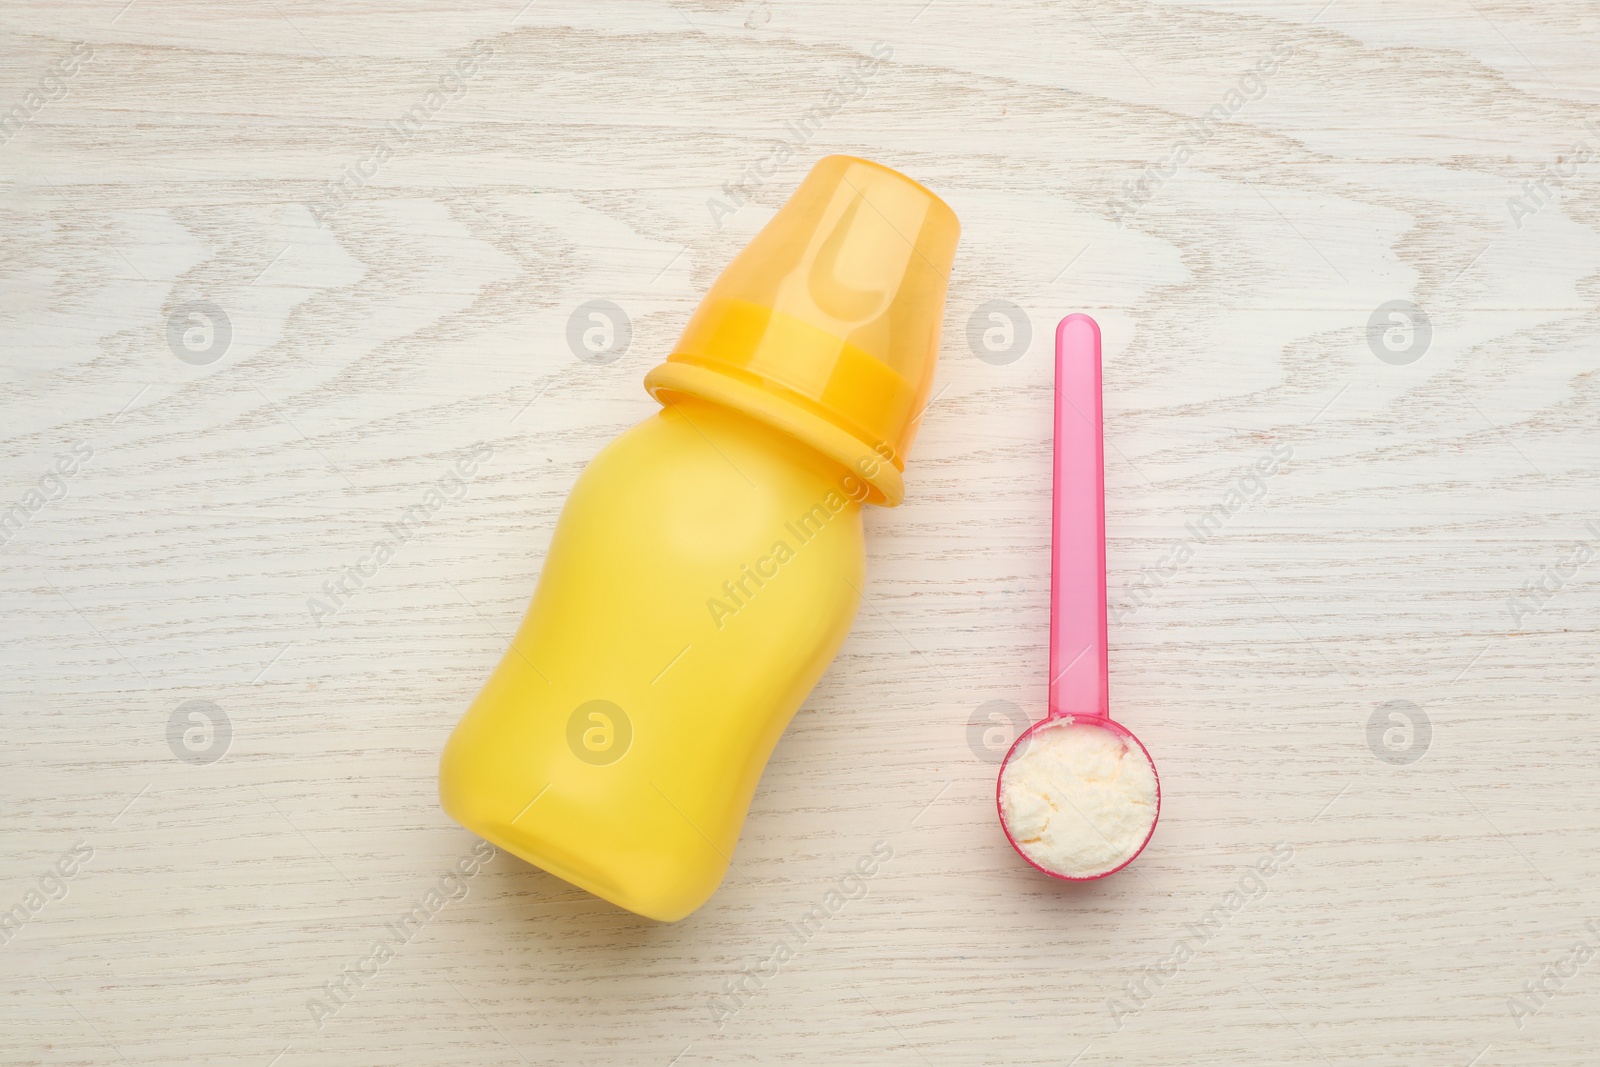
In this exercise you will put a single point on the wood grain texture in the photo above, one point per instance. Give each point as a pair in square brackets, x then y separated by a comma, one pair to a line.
[188, 158]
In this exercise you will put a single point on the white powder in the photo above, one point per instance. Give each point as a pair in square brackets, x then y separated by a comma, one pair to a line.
[1077, 799]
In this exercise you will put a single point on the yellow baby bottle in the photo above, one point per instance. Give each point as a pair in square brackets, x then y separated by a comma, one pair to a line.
[708, 563]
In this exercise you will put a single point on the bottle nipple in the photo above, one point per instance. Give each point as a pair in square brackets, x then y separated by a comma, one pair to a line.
[827, 324]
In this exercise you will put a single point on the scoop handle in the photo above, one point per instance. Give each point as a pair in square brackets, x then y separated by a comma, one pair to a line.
[1079, 662]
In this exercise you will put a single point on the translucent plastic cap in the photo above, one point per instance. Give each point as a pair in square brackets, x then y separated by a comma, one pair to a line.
[827, 324]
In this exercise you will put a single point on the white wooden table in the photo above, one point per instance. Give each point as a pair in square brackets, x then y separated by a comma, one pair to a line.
[260, 369]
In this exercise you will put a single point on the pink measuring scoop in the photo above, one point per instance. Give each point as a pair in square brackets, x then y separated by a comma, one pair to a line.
[1079, 657]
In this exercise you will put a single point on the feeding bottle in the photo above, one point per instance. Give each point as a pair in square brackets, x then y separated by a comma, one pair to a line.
[708, 563]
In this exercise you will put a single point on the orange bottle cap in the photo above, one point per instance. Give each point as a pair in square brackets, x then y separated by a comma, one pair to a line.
[827, 324]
